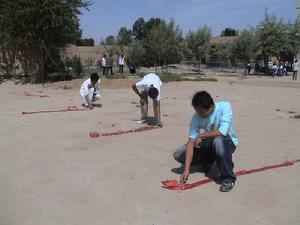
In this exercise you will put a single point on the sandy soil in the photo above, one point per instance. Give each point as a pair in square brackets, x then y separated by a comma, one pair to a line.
[53, 173]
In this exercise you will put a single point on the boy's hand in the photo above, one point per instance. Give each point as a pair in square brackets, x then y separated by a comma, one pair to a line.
[198, 142]
[183, 178]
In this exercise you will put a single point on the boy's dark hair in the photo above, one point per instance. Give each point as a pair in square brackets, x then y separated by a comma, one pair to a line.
[202, 99]
[152, 92]
[94, 77]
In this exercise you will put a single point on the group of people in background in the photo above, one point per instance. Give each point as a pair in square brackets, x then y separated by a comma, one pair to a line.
[108, 62]
[280, 69]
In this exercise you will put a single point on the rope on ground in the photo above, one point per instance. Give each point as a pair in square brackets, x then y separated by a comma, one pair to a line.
[174, 184]
[95, 134]
[69, 109]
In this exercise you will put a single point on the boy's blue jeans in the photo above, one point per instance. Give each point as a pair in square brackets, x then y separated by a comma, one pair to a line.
[217, 149]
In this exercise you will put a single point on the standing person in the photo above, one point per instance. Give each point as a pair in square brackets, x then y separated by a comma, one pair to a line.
[295, 69]
[248, 66]
[257, 67]
[90, 91]
[216, 143]
[274, 69]
[285, 68]
[109, 65]
[150, 86]
[280, 69]
[121, 64]
[103, 64]
[270, 65]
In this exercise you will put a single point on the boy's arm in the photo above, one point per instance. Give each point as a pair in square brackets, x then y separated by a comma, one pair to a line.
[189, 152]
[88, 102]
[134, 88]
[210, 134]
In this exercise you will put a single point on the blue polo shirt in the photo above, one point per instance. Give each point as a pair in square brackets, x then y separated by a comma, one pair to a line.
[220, 119]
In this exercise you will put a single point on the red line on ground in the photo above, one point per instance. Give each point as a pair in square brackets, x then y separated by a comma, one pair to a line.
[95, 134]
[69, 109]
[174, 184]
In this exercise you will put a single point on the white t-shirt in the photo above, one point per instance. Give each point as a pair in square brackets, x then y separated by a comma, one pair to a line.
[103, 61]
[121, 61]
[86, 85]
[296, 66]
[147, 81]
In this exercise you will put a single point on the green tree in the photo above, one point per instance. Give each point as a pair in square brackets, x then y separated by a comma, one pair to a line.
[198, 43]
[291, 46]
[39, 28]
[163, 44]
[85, 42]
[222, 53]
[110, 40]
[229, 32]
[244, 47]
[135, 54]
[138, 29]
[124, 36]
[272, 37]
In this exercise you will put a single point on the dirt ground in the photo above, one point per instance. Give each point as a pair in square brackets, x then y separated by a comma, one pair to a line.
[53, 173]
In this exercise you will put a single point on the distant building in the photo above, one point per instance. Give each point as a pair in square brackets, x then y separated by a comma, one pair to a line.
[89, 55]
[223, 40]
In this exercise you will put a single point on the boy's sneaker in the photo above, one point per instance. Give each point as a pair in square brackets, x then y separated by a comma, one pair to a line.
[141, 121]
[227, 185]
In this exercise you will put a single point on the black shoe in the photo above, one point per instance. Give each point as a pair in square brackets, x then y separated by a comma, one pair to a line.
[178, 170]
[227, 185]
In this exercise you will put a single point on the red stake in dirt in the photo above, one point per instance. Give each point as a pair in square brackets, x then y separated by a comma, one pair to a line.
[34, 95]
[174, 184]
[69, 109]
[94, 134]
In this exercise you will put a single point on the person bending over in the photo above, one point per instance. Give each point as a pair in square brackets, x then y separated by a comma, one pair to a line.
[150, 86]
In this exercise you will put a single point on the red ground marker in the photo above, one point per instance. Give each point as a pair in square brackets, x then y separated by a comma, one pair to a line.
[94, 134]
[175, 185]
[69, 109]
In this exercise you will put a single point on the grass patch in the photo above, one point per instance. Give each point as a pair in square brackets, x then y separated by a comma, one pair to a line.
[210, 79]
[169, 77]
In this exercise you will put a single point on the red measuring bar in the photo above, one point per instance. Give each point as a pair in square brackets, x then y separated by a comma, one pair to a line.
[94, 134]
[175, 185]
[69, 109]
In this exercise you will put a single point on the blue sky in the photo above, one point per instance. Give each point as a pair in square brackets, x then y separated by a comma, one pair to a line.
[105, 17]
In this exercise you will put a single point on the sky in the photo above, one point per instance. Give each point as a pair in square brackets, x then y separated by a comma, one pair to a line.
[106, 17]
